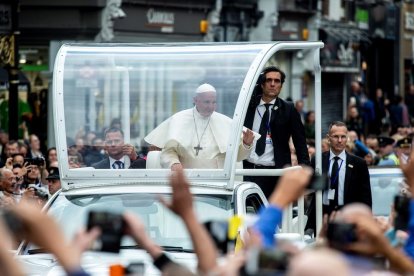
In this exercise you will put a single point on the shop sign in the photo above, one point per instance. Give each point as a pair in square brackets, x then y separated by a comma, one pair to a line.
[290, 27]
[5, 19]
[339, 53]
[161, 19]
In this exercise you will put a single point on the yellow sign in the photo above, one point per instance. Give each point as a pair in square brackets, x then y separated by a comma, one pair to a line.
[7, 50]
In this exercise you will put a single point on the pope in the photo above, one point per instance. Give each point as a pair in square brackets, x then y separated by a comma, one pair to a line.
[197, 137]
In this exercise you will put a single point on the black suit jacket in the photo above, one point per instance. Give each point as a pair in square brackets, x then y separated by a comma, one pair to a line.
[139, 163]
[103, 164]
[284, 122]
[357, 187]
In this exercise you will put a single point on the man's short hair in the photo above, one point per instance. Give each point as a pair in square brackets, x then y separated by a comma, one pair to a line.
[112, 130]
[16, 154]
[337, 124]
[12, 142]
[262, 77]
[93, 142]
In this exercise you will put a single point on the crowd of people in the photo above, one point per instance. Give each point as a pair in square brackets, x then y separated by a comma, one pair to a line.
[379, 130]
[26, 172]
[277, 133]
[351, 241]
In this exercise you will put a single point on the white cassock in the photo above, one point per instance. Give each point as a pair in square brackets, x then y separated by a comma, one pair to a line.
[177, 137]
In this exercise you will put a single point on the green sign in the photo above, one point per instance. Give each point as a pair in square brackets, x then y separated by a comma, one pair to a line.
[361, 17]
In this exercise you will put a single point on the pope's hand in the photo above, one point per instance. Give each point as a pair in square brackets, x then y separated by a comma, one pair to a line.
[176, 167]
[248, 137]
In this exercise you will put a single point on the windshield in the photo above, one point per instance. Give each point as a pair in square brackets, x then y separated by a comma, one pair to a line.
[163, 226]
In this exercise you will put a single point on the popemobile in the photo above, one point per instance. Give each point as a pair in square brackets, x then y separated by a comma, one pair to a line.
[140, 99]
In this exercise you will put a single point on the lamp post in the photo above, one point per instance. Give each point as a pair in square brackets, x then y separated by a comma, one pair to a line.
[13, 70]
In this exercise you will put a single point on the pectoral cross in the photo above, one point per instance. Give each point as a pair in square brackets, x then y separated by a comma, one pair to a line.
[197, 149]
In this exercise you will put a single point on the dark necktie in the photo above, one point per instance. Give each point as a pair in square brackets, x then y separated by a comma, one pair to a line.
[264, 128]
[118, 165]
[335, 179]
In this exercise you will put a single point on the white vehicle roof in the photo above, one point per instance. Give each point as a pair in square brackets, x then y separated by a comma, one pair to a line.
[139, 86]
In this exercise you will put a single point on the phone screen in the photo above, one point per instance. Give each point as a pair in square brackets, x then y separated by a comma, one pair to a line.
[112, 229]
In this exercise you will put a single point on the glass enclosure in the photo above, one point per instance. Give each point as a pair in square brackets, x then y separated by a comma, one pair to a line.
[135, 88]
[144, 108]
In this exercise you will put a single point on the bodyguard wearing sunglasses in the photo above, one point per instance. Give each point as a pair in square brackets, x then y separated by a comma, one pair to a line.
[276, 120]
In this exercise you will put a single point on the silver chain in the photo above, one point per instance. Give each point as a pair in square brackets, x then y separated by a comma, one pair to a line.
[204, 131]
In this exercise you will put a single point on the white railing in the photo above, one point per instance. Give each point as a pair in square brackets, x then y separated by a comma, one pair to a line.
[287, 220]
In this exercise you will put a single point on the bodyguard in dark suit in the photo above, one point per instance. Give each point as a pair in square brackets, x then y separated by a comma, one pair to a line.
[276, 120]
[352, 184]
[348, 176]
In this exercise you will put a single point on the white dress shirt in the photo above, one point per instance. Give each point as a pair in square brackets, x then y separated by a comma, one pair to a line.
[125, 159]
[267, 158]
[341, 177]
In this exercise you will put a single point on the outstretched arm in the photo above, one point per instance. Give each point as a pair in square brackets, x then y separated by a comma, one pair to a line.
[376, 243]
[182, 205]
[408, 170]
[42, 230]
[170, 157]
[290, 187]
[8, 266]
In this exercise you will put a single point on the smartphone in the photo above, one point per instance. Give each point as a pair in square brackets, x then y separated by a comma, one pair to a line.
[402, 212]
[218, 230]
[28, 161]
[318, 182]
[112, 227]
[341, 234]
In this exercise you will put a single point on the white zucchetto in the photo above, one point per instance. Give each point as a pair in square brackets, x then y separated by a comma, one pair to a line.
[205, 88]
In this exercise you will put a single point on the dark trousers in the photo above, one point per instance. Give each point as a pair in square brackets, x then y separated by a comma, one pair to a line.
[266, 183]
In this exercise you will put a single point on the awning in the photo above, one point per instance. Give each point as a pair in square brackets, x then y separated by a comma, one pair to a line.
[348, 34]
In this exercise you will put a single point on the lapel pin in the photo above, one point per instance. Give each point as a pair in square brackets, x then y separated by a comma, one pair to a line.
[350, 165]
[275, 107]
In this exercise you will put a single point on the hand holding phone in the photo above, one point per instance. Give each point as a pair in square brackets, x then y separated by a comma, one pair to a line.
[318, 182]
[341, 234]
[112, 227]
[402, 212]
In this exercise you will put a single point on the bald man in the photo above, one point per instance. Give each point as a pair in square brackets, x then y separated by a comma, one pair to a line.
[321, 262]
[197, 137]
